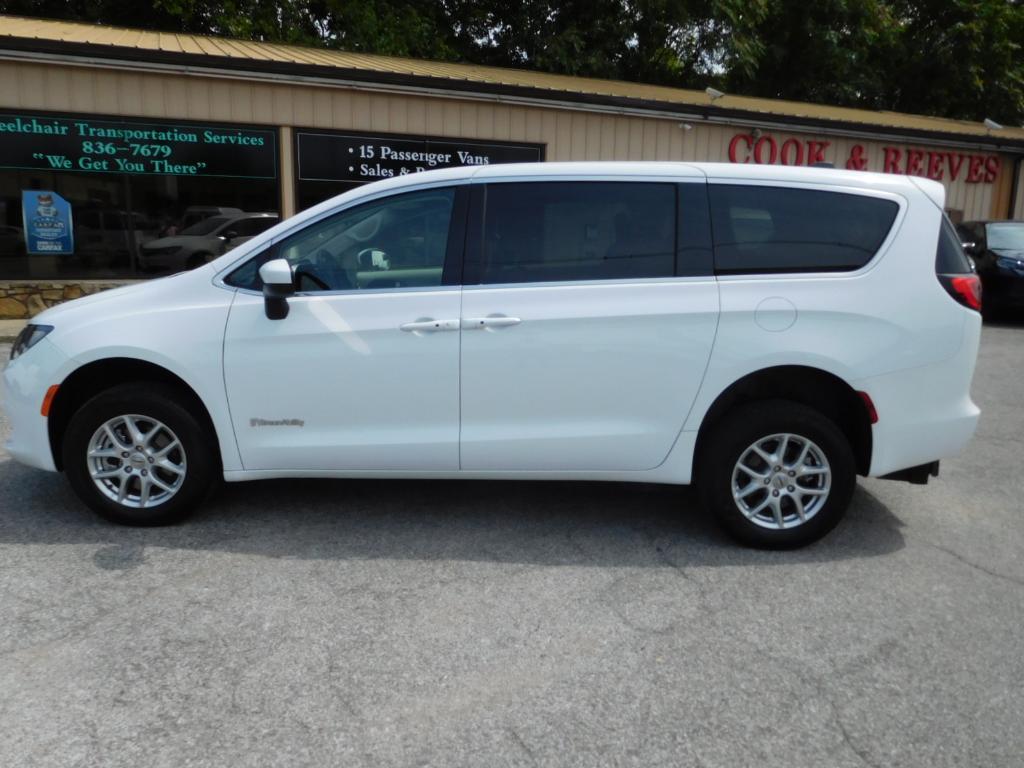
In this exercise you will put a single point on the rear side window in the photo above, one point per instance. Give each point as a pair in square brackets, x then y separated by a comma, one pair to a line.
[553, 231]
[778, 229]
[950, 258]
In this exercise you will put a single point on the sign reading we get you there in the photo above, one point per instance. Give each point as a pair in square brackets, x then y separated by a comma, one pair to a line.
[84, 144]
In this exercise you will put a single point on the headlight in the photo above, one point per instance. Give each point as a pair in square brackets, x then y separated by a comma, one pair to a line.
[30, 336]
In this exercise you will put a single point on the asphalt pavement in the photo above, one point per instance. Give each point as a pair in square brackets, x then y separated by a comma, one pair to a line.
[367, 623]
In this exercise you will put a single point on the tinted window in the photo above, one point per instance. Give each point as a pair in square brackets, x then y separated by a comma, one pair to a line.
[552, 231]
[774, 229]
[396, 242]
[950, 258]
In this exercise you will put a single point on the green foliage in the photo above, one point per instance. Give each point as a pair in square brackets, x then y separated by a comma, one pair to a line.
[953, 58]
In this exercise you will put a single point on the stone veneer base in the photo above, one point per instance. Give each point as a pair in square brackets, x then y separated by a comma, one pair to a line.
[21, 299]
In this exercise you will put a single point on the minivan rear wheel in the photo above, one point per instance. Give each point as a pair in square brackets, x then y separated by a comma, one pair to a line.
[777, 474]
[137, 456]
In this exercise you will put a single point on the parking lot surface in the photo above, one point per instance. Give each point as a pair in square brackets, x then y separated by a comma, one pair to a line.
[506, 624]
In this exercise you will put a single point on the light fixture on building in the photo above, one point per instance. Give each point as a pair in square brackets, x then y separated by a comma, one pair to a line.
[992, 125]
[714, 93]
[686, 126]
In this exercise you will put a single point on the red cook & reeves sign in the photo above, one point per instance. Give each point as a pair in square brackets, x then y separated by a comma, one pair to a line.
[941, 165]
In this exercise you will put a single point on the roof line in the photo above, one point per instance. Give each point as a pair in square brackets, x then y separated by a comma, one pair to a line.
[37, 48]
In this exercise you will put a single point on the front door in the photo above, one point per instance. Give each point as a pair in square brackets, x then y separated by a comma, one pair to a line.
[363, 373]
[588, 332]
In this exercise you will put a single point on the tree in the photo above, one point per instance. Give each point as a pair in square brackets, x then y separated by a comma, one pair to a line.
[952, 58]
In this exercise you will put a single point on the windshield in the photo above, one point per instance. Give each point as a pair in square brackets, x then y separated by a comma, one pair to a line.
[206, 226]
[1008, 236]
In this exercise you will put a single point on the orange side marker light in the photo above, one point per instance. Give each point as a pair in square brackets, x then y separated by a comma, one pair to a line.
[48, 399]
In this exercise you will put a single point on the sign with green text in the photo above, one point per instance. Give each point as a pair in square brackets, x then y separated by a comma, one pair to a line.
[84, 144]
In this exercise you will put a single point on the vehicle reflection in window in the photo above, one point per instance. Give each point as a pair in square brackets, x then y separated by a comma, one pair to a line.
[396, 243]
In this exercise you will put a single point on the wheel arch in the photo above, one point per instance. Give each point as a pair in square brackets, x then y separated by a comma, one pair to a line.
[94, 377]
[813, 387]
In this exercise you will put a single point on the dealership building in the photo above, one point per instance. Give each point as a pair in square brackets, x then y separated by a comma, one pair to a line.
[111, 139]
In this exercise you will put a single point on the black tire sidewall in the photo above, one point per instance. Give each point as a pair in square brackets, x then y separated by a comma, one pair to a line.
[157, 401]
[746, 424]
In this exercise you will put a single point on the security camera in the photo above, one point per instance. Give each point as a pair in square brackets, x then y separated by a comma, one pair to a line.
[686, 126]
[714, 93]
[992, 125]
[757, 133]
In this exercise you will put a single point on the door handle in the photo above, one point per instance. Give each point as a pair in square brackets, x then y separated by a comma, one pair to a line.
[429, 325]
[494, 321]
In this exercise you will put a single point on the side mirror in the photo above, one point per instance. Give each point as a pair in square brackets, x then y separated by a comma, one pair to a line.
[278, 285]
[229, 235]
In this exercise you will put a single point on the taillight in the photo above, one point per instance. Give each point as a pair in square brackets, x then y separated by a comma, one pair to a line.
[966, 289]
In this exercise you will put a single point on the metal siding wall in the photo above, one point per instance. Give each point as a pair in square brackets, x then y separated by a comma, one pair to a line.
[1018, 206]
[568, 134]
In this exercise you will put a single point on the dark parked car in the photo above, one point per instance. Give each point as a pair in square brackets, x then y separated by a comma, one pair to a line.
[997, 248]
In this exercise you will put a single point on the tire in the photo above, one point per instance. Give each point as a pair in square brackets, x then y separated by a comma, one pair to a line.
[178, 477]
[820, 485]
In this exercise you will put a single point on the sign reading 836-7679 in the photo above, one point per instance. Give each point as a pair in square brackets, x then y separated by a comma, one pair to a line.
[82, 144]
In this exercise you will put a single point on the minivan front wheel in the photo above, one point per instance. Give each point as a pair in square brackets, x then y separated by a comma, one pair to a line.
[137, 456]
[777, 474]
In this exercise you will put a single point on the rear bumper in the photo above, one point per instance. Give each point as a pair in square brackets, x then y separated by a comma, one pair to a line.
[24, 383]
[926, 413]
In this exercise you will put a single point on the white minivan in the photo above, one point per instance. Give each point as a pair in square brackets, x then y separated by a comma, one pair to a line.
[767, 333]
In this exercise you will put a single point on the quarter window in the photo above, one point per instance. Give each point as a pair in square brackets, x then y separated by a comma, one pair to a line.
[556, 231]
[396, 242]
[775, 229]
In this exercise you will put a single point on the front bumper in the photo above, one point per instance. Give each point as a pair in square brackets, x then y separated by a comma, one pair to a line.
[24, 383]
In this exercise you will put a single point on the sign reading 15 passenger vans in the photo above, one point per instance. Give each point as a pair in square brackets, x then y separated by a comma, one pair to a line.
[81, 144]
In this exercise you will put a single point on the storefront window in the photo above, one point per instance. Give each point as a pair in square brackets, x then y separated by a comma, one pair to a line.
[328, 164]
[84, 197]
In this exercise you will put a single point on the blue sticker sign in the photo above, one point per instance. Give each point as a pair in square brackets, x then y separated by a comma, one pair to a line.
[47, 220]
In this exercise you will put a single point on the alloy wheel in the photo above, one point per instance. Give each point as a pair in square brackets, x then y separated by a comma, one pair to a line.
[781, 481]
[136, 461]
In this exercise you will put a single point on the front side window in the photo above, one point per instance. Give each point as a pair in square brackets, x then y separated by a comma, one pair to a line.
[396, 242]
[554, 231]
[774, 229]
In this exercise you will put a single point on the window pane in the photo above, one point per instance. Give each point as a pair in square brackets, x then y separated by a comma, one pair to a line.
[772, 229]
[949, 257]
[398, 242]
[550, 231]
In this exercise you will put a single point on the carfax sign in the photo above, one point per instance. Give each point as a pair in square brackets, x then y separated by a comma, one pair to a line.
[46, 217]
[84, 144]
